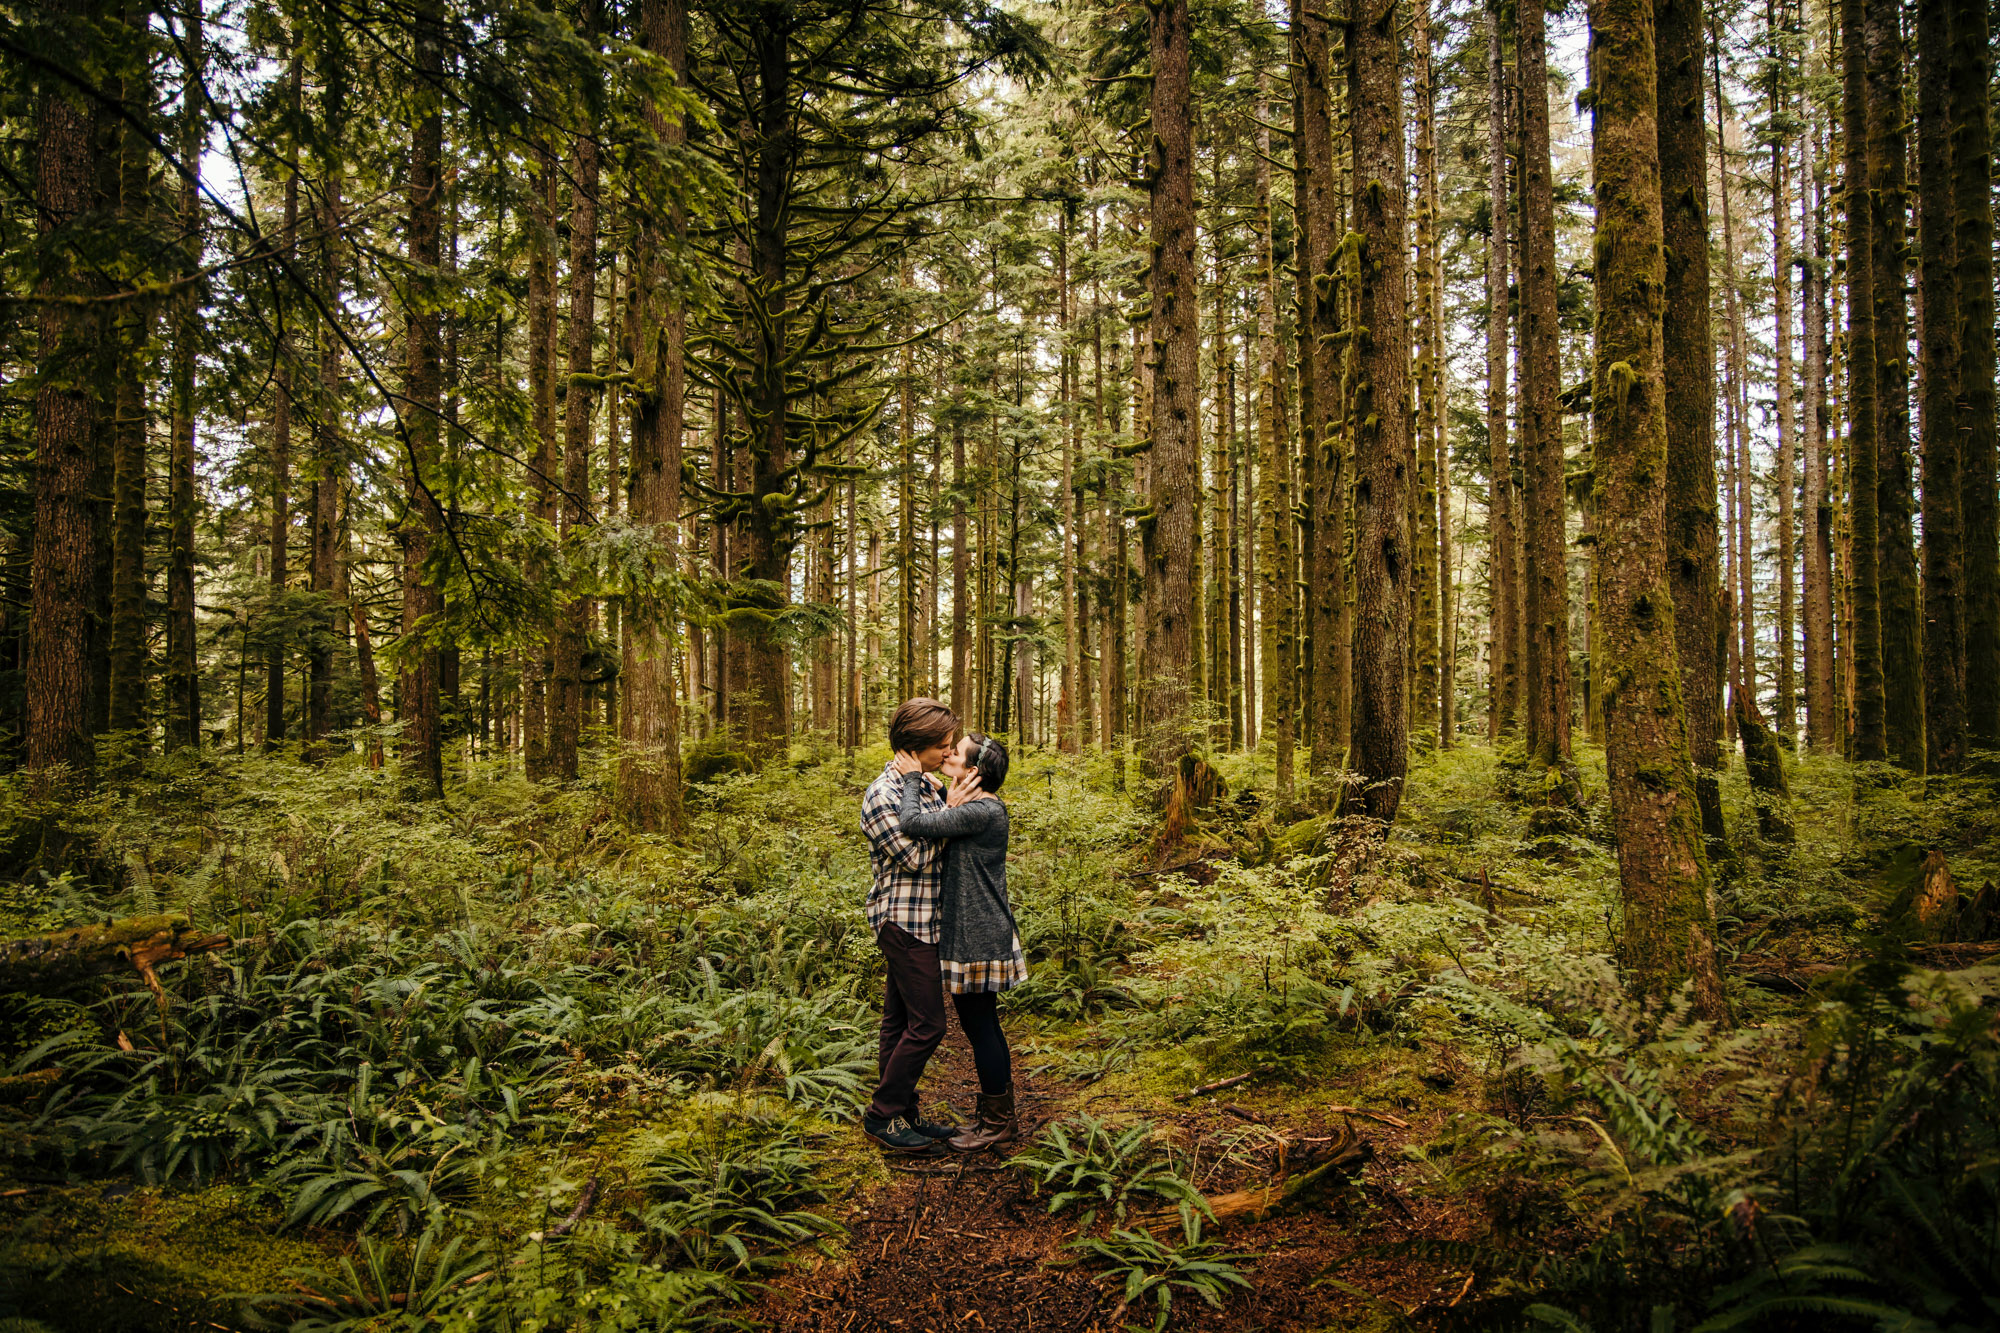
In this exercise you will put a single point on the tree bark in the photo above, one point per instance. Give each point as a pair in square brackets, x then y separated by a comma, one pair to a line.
[1322, 413]
[329, 456]
[566, 704]
[1944, 624]
[1070, 709]
[1246, 530]
[1972, 156]
[279, 569]
[422, 741]
[961, 569]
[650, 768]
[1742, 649]
[1694, 570]
[182, 669]
[538, 653]
[1426, 604]
[1668, 930]
[1786, 720]
[1817, 603]
[1888, 156]
[1381, 402]
[906, 515]
[1870, 737]
[760, 550]
[1221, 531]
[1504, 652]
[68, 403]
[1171, 574]
[1543, 547]
[1274, 495]
[133, 330]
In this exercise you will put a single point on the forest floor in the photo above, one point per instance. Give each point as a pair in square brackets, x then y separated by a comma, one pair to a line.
[965, 1242]
[499, 1064]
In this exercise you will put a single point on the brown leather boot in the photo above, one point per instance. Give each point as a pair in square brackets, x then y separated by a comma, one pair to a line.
[997, 1124]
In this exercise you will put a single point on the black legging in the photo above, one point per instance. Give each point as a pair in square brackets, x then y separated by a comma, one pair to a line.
[979, 1016]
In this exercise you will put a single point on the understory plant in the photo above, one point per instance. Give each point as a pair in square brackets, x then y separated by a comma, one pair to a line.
[1850, 1179]
[1086, 1163]
[1147, 1270]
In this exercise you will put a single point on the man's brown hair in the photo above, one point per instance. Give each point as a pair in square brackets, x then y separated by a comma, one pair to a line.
[920, 724]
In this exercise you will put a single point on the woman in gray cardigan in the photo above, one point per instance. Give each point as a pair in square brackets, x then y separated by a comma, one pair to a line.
[979, 948]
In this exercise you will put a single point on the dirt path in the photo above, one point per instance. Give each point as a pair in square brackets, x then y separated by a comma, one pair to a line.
[964, 1243]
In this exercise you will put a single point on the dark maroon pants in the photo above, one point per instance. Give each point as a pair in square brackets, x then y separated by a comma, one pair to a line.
[912, 1019]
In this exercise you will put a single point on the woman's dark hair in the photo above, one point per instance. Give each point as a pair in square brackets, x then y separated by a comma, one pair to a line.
[990, 758]
[920, 724]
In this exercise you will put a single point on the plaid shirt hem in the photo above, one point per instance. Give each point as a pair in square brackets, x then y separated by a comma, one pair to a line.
[909, 872]
[995, 974]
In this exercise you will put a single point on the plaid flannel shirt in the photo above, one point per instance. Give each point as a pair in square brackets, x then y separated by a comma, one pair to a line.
[909, 872]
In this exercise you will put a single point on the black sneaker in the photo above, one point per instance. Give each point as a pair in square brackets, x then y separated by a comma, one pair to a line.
[930, 1129]
[896, 1134]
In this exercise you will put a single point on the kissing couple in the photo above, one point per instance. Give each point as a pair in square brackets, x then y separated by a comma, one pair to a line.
[939, 910]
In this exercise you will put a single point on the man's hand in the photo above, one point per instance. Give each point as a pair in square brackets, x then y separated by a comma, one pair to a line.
[964, 789]
[907, 763]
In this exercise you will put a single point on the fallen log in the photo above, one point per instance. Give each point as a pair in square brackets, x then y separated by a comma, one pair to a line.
[1388, 1120]
[1347, 1156]
[16, 1089]
[1220, 1084]
[56, 959]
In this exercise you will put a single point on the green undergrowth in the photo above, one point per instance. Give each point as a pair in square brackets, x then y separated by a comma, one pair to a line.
[501, 1063]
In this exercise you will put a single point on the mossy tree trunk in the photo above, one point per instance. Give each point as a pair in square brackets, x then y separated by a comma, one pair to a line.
[1669, 936]
[1274, 491]
[1322, 437]
[133, 331]
[1888, 155]
[68, 404]
[1816, 608]
[1172, 670]
[422, 741]
[329, 455]
[1543, 549]
[650, 769]
[1425, 601]
[1869, 737]
[1380, 405]
[1503, 561]
[1972, 194]
[1786, 722]
[542, 419]
[575, 616]
[906, 514]
[182, 668]
[279, 532]
[1694, 561]
[1943, 599]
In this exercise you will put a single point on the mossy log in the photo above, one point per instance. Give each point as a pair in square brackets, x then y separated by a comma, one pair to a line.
[56, 959]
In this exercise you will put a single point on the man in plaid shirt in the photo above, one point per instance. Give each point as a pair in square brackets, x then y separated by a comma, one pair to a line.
[902, 911]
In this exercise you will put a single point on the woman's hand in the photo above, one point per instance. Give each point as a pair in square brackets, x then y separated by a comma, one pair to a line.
[965, 789]
[907, 763]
